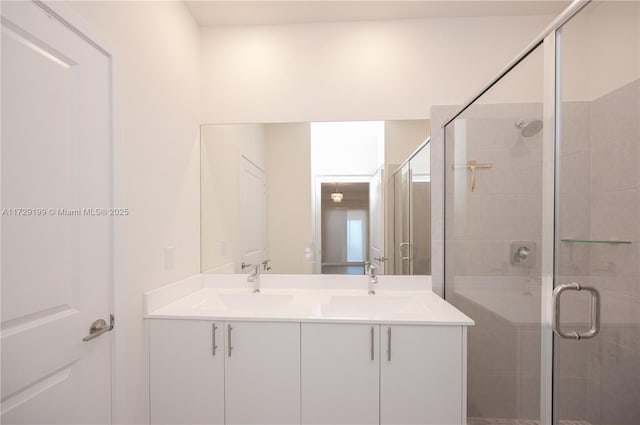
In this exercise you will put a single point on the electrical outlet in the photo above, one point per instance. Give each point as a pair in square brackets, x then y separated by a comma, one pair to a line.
[308, 252]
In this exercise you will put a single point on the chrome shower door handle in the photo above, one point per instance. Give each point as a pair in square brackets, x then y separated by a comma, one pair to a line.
[595, 311]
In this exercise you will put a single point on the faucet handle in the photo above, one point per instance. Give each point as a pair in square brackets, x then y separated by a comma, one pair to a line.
[372, 271]
[266, 265]
[373, 279]
[246, 266]
[367, 264]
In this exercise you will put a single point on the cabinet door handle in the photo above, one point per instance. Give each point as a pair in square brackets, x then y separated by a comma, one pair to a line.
[389, 344]
[214, 328]
[372, 343]
[229, 329]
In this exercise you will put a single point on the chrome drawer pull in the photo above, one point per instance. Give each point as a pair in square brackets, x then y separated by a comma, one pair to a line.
[372, 343]
[214, 328]
[229, 329]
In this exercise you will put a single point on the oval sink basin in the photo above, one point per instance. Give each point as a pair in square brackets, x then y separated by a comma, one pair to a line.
[357, 305]
[255, 301]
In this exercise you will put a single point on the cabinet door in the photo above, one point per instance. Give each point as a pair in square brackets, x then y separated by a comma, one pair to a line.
[262, 373]
[340, 373]
[421, 375]
[186, 373]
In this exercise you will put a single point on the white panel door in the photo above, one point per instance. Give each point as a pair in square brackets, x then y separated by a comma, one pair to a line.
[186, 372]
[56, 267]
[421, 375]
[376, 222]
[340, 373]
[253, 213]
[262, 373]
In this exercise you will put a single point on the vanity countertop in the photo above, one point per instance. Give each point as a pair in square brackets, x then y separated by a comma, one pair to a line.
[305, 300]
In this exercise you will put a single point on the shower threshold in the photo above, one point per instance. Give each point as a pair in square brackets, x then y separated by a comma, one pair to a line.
[503, 421]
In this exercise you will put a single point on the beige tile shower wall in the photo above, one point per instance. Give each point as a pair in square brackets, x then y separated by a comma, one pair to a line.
[575, 197]
[505, 205]
[614, 357]
[288, 158]
[573, 258]
[600, 181]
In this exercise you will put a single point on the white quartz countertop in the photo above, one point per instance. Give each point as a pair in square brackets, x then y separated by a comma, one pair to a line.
[309, 303]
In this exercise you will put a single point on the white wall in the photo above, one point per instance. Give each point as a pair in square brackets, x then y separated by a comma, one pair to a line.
[354, 71]
[596, 50]
[155, 46]
[402, 138]
[221, 148]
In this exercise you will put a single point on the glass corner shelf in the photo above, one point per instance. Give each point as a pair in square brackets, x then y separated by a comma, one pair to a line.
[611, 241]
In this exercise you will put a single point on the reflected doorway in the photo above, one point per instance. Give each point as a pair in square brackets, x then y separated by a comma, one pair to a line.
[344, 227]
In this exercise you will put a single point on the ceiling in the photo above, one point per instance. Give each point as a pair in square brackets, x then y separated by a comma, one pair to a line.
[239, 12]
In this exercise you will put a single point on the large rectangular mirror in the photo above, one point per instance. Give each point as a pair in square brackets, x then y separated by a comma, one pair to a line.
[326, 197]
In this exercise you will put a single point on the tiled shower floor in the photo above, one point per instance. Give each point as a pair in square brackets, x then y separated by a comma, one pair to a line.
[501, 421]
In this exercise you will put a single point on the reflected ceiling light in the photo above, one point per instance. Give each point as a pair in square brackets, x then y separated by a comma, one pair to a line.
[337, 196]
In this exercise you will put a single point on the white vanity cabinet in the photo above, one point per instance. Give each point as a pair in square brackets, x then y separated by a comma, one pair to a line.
[186, 372]
[382, 374]
[262, 372]
[251, 377]
[421, 375]
[340, 373]
[311, 356]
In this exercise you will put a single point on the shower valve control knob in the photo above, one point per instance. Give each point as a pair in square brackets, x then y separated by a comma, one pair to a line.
[523, 253]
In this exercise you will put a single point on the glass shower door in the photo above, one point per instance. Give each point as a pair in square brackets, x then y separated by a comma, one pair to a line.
[597, 256]
[412, 214]
[493, 243]
[402, 243]
[420, 217]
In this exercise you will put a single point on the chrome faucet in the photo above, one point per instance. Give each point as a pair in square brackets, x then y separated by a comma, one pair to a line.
[255, 279]
[373, 280]
[266, 265]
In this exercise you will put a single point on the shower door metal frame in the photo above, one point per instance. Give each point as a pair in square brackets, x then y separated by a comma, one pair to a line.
[550, 39]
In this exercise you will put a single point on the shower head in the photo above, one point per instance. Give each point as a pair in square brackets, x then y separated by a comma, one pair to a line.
[529, 128]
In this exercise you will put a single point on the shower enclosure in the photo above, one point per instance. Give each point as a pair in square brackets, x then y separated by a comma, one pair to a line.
[542, 226]
[412, 214]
